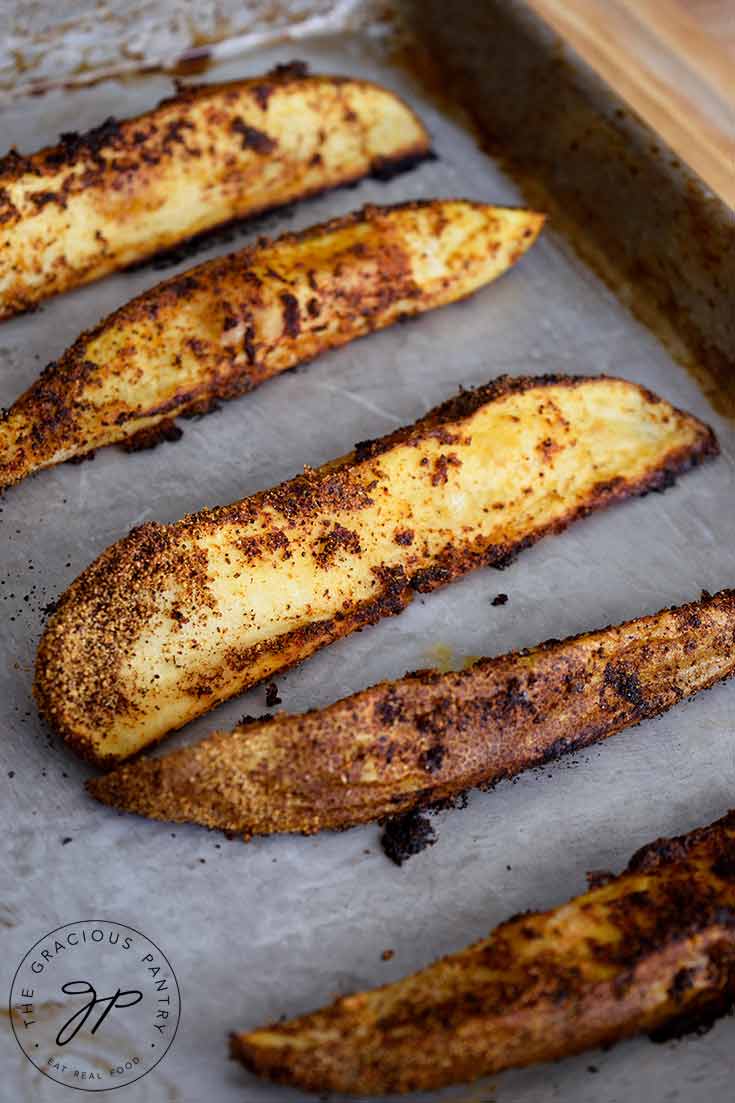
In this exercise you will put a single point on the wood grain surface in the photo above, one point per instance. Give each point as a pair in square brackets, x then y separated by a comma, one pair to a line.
[673, 61]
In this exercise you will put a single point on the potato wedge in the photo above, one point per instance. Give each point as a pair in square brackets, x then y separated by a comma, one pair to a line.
[652, 950]
[225, 326]
[429, 736]
[101, 200]
[175, 618]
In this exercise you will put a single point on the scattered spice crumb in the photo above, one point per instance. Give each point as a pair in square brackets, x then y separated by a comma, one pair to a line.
[407, 835]
[500, 599]
[66, 839]
[248, 719]
[592, 1068]
[271, 695]
[387, 955]
[11, 773]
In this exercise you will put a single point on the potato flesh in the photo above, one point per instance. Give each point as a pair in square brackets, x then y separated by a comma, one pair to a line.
[655, 945]
[174, 619]
[75, 212]
[225, 326]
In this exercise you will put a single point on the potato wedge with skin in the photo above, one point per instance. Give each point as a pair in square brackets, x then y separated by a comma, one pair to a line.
[652, 949]
[429, 736]
[175, 618]
[98, 201]
[225, 326]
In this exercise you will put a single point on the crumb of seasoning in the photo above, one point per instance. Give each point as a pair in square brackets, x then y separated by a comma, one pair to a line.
[387, 955]
[65, 840]
[592, 1068]
[500, 599]
[271, 695]
[11, 773]
[407, 835]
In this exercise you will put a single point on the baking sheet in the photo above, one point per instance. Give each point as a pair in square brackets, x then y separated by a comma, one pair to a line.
[281, 925]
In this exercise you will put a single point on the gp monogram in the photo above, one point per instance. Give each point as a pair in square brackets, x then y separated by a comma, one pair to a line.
[94, 1005]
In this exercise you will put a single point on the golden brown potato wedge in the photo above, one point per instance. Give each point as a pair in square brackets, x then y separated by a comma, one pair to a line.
[651, 951]
[430, 736]
[101, 200]
[225, 326]
[175, 618]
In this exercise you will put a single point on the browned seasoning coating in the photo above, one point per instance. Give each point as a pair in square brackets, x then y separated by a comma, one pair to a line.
[99, 201]
[175, 618]
[646, 952]
[428, 736]
[225, 326]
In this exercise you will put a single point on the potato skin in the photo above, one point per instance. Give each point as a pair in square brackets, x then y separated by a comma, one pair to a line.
[428, 736]
[650, 951]
[175, 618]
[223, 327]
[99, 201]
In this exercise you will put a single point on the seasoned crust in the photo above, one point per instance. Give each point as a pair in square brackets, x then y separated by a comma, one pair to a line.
[175, 618]
[225, 326]
[407, 743]
[650, 949]
[126, 189]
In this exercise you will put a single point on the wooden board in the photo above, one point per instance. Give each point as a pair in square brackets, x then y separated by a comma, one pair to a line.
[673, 62]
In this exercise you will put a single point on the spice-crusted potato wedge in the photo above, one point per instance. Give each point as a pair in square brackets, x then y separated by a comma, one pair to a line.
[175, 618]
[101, 200]
[225, 326]
[652, 949]
[429, 736]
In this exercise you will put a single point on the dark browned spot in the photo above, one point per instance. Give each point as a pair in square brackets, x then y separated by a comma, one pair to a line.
[725, 866]
[249, 345]
[151, 437]
[252, 138]
[441, 465]
[40, 199]
[92, 142]
[337, 539]
[432, 758]
[291, 314]
[548, 448]
[626, 684]
[389, 710]
[278, 540]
